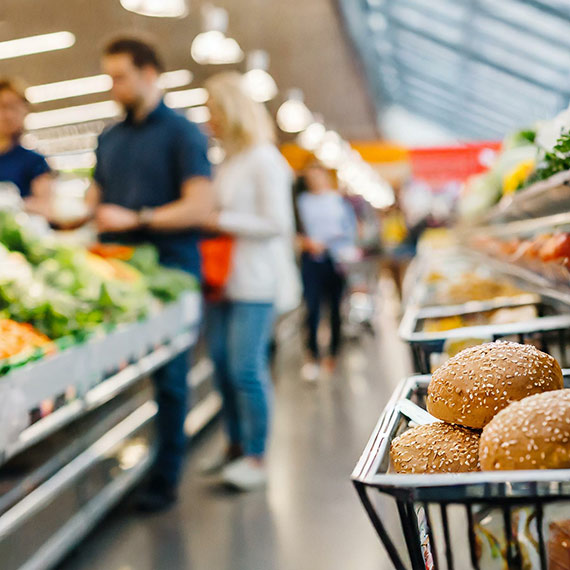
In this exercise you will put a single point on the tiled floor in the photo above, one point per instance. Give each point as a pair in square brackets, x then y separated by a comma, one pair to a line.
[309, 518]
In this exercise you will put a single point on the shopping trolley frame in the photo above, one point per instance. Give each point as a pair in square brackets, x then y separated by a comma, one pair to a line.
[547, 331]
[504, 490]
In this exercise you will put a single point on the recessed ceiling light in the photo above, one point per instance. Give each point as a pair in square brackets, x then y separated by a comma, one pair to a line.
[212, 46]
[259, 84]
[96, 84]
[186, 98]
[293, 116]
[70, 115]
[36, 44]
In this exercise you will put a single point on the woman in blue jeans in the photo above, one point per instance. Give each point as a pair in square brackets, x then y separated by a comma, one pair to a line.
[253, 189]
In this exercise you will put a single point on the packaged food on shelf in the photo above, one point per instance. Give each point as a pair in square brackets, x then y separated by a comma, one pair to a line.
[502, 316]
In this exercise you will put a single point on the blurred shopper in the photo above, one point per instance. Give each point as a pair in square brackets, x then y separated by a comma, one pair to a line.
[253, 188]
[327, 228]
[24, 168]
[151, 184]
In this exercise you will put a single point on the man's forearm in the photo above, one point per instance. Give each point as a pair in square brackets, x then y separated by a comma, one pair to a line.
[179, 215]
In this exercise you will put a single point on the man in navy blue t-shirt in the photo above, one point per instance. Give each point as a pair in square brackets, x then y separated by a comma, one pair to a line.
[24, 168]
[152, 184]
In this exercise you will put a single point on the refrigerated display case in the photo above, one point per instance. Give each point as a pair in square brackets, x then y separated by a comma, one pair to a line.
[62, 470]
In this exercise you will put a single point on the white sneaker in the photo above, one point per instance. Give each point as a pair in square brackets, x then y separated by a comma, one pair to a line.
[310, 372]
[244, 475]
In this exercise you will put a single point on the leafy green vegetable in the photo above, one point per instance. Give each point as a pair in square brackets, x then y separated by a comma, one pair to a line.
[528, 136]
[165, 283]
[168, 284]
[553, 162]
[145, 259]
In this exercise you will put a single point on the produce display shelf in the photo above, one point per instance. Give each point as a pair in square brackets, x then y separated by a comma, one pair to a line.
[557, 221]
[440, 514]
[538, 200]
[551, 329]
[57, 491]
[531, 279]
[437, 311]
[131, 352]
[90, 468]
[97, 396]
[410, 320]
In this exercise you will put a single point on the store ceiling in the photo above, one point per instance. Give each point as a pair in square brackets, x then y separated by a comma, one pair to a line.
[480, 68]
[305, 41]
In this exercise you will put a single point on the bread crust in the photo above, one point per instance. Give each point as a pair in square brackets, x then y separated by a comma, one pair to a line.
[473, 386]
[436, 448]
[531, 434]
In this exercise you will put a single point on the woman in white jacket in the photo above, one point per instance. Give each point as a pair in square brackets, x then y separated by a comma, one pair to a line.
[253, 189]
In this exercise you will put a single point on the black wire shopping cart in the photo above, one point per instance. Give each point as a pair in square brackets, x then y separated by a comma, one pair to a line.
[481, 521]
[549, 330]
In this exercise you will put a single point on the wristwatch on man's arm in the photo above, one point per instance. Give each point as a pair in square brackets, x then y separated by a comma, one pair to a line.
[145, 217]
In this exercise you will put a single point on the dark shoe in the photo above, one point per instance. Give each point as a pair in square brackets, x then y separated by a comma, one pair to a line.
[156, 498]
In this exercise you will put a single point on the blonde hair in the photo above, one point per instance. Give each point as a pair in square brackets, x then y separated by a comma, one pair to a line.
[244, 122]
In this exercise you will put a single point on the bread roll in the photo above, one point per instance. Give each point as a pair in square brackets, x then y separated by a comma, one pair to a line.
[531, 434]
[436, 448]
[559, 545]
[476, 384]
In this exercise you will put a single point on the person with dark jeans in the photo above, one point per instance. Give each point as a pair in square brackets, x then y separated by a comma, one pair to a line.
[151, 185]
[322, 282]
[327, 229]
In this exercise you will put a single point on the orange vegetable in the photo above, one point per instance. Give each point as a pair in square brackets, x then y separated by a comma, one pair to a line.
[17, 338]
[112, 250]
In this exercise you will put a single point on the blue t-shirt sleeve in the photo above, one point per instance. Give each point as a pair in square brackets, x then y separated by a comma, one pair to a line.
[191, 152]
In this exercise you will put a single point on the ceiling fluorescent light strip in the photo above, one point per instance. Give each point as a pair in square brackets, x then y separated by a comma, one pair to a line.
[36, 44]
[70, 115]
[96, 84]
[176, 78]
[69, 88]
[186, 98]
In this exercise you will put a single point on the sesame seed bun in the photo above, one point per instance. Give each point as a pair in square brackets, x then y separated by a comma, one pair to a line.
[559, 545]
[531, 434]
[476, 384]
[436, 448]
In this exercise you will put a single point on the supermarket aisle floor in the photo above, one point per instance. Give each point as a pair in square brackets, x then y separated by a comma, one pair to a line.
[310, 518]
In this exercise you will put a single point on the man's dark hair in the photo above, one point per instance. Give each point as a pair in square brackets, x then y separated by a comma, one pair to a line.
[142, 53]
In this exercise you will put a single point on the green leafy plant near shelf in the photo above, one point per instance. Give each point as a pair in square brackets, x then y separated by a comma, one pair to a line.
[62, 292]
[553, 162]
[165, 283]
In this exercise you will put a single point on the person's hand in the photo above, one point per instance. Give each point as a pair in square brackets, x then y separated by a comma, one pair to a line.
[38, 206]
[212, 222]
[315, 248]
[113, 218]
